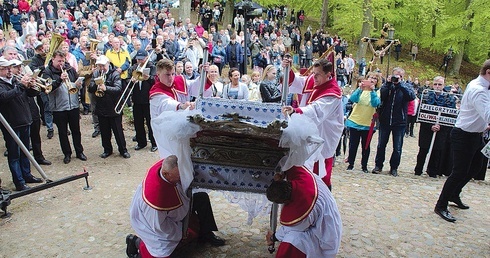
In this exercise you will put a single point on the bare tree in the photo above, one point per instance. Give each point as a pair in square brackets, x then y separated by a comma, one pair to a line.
[185, 9]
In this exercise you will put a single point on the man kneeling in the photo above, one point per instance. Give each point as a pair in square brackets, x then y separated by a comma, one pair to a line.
[158, 209]
[311, 224]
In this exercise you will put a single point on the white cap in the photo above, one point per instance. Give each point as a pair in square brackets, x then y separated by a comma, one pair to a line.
[102, 60]
[15, 62]
[4, 62]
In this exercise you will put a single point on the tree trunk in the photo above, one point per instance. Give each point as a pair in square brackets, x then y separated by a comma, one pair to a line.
[324, 18]
[458, 59]
[185, 9]
[366, 28]
[228, 15]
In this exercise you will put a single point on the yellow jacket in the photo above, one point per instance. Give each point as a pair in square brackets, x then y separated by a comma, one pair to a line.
[120, 59]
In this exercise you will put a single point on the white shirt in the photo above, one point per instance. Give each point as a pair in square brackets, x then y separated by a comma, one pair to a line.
[162, 102]
[161, 231]
[320, 233]
[474, 112]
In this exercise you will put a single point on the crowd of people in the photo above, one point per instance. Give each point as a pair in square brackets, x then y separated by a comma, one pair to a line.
[105, 51]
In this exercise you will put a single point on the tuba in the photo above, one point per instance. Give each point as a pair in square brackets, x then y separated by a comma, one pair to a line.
[54, 44]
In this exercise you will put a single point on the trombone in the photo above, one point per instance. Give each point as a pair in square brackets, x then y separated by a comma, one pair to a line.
[72, 89]
[138, 75]
[39, 83]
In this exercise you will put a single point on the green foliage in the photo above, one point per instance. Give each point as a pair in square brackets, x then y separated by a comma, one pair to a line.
[433, 24]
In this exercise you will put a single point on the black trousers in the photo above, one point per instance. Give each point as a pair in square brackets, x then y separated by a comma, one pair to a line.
[434, 161]
[36, 140]
[410, 124]
[201, 206]
[114, 124]
[71, 118]
[141, 113]
[466, 163]
[357, 136]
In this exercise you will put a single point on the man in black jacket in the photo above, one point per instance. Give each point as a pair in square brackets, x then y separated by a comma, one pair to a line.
[14, 106]
[108, 93]
[395, 95]
[37, 62]
[36, 120]
[141, 100]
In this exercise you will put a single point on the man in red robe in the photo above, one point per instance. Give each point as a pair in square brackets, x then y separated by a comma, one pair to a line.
[158, 210]
[310, 219]
[321, 102]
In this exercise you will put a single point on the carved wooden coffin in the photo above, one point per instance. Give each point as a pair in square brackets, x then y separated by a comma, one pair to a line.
[238, 146]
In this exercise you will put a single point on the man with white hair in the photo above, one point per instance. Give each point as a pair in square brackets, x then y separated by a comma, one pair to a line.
[108, 91]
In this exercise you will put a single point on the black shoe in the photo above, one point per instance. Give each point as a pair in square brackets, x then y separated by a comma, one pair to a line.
[365, 170]
[153, 148]
[105, 154]
[459, 203]
[126, 155]
[22, 187]
[50, 134]
[137, 147]
[67, 159]
[131, 247]
[213, 239]
[134, 139]
[95, 134]
[394, 172]
[350, 167]
[411, 135]
[33, 180]
[376, 170]
[81, 156]
[417, 173]
[43, 162]
[85, 112]
[5, 153]
[433, 176]
[445, 214]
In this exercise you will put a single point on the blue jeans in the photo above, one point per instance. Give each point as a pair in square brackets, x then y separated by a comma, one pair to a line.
[19, 164]
[48, 115]
[384, 135]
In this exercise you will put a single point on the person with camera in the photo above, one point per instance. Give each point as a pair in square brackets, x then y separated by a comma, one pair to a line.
[395, 95]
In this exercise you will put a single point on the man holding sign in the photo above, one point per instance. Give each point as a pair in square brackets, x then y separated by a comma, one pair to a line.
[433, 129]
[466, 140]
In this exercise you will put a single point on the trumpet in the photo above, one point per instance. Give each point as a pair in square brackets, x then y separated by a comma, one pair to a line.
[99, 81]
[72, 89]
[39, 83]
[138, 75]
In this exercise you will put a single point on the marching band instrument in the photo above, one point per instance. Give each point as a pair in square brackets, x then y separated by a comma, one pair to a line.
[72, 88]
[138, 76]
[39, 83]
[54, 44]
[99, 81]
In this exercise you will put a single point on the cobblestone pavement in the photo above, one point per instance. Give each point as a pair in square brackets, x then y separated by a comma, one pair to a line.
[383, 216]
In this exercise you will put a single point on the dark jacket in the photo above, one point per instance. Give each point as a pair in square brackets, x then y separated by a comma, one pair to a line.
[269, 92]
[106, 104]
[37, 62]
[59, 98]
[14, 103]
[394, 103]
[141, 93]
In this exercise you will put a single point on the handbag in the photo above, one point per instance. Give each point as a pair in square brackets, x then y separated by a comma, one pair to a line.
[217, 60]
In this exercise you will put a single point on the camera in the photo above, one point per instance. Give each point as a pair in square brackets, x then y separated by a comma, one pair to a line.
[395, 79]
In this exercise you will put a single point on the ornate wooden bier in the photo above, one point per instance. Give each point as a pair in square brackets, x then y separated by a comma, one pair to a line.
[237, 148]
